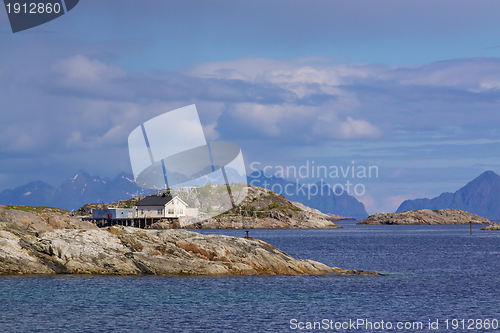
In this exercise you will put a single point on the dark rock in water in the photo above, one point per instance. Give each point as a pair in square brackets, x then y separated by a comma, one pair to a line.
[426, 216]
[481, 196]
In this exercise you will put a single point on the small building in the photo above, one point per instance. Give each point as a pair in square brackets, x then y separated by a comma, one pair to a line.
[161, 206]
[115, 213]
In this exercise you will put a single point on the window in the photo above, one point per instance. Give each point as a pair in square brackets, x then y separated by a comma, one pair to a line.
[142, 211]
[160, 211]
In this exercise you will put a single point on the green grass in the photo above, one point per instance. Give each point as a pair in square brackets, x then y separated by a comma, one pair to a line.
[39, 209]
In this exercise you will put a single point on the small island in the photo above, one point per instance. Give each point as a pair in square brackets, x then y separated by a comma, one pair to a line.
[425, 216]
[264, 209]
[494, 226]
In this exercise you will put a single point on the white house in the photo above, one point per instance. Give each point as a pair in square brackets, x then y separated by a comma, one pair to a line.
[161, 206]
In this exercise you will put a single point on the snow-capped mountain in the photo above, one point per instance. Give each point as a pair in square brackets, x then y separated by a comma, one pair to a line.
[74, 192]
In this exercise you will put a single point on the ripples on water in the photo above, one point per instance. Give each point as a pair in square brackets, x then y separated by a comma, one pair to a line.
[434, 272]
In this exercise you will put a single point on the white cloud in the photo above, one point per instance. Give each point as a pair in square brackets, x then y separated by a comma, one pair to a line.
[81, 68]
[211, 133]
[21, 138]
[23, 142]
[296, 100]
[265, 118]
[80, 105]
[332, 127]
[474, 75]
[74, 140]
[357, 129]
[331, 115]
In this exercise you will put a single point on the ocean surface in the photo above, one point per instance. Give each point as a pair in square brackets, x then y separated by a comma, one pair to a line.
[432, 274]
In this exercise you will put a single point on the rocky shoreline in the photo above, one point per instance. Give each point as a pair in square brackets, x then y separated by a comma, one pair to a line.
[494, 226]
[425, 216]
[42, 241]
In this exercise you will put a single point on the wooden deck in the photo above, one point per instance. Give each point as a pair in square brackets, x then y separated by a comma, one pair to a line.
[136, 222]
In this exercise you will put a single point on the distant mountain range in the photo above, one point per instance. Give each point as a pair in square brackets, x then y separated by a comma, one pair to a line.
[82, 189]
[328, 202]
[481, 196]
[74, 192]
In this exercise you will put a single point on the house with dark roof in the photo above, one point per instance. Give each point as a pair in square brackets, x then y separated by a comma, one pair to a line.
[161, 206]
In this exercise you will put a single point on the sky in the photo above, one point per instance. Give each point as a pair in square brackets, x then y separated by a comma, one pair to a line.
[410, 87]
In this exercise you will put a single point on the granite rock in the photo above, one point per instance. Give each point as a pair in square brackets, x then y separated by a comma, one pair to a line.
[121, 250]
[494, 226]
[426, 216]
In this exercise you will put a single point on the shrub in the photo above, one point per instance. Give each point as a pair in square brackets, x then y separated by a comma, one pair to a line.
[273, 205]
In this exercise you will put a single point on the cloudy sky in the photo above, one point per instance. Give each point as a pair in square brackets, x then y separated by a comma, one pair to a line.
[412, 87]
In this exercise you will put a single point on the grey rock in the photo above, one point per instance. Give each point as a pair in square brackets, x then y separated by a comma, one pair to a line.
[131, 251]
[494, 226]
[263, 209]
[426, 216]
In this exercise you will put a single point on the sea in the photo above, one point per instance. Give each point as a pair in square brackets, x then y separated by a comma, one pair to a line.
[434, 278]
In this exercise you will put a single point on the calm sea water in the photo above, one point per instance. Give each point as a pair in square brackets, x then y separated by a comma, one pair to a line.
[433, 273]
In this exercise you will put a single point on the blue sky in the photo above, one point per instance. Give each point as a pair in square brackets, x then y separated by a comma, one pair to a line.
[412, 87]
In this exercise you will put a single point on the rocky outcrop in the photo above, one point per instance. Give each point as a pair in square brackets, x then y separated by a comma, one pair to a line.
[341, 218]
[494, 226]
[262, 209]
[426, 216]
[248, 222]
[42, 218]
[44, 240]
[318, 214]
[315, 212]
[121, 250]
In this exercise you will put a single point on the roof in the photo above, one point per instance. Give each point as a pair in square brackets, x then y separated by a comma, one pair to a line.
[155, 200]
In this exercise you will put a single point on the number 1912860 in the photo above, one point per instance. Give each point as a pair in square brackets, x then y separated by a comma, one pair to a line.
[33, 8]
[471, 324]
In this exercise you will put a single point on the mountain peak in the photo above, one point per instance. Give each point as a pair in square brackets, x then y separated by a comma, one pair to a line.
[481, 196]
[487, 175]
[82, 172]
